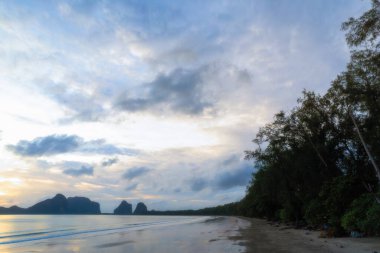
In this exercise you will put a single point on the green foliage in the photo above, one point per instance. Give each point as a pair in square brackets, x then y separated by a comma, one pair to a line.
[363, 215]
[337, 195]
[227, 209]
[285, 215]
[364, 29]
[372, 222]
[314, 214]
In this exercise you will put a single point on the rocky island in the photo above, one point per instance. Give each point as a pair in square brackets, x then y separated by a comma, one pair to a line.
[126, 209]
[59, 204]
[141, 209]
[123, 209]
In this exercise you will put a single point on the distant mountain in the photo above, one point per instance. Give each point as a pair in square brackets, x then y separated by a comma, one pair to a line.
[12, 210]
[57, 205]
[141, 209]
[123, 209]
[82, 205]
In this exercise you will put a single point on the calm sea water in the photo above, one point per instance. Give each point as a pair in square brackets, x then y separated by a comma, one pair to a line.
[25, 228]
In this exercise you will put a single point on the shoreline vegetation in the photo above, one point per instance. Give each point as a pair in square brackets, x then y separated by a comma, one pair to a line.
[317, 165]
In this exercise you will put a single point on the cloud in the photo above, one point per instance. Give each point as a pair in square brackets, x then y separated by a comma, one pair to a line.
[66, 62]
[109, 162]
[228, 174]
[84, 107]
[131, 187]
[198, 184]
[60, 144]
[48, 145]
[229, 179]
[178, 91]
[135, 172]
[100, 146]
[83, 170]
[231, 160]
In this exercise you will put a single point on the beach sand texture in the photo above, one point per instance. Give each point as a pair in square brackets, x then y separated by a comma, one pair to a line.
[262, 237]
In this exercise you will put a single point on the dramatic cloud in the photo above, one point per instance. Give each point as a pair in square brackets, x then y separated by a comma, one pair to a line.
[174, 86]
[135, 172]
[178, 91]
[48, 145]
[84, 170]
[59, 144]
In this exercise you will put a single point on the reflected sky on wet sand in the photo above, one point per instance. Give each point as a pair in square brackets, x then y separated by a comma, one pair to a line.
[59, 234]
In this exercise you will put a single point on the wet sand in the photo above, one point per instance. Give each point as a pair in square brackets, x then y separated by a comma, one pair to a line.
[262, 237]
[213, 234]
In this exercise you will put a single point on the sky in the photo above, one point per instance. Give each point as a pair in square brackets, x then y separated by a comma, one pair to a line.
[153, 101]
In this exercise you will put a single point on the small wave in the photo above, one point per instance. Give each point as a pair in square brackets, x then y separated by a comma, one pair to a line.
[29, 237]
[33, 233]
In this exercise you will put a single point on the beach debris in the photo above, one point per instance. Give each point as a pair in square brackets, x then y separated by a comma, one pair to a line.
[323, 234]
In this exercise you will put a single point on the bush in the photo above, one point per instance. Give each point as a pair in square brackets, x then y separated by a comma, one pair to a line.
[284, 215]
[350, 221]
[314, 213]
[363, 215]
[371, 226]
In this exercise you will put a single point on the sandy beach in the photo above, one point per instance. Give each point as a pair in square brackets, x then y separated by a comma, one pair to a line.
[263, 237]
[117, 234]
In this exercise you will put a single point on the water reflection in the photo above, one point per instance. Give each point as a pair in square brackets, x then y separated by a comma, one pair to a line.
[100, 233]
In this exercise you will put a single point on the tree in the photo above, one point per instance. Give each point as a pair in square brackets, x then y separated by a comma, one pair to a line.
[319, 157]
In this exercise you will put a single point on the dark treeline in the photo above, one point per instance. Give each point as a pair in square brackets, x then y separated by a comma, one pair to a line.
[227, 209]
[312, 167]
